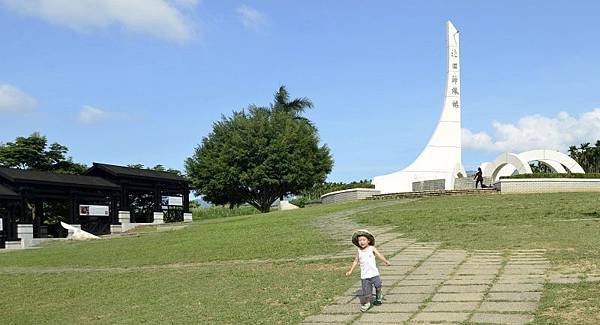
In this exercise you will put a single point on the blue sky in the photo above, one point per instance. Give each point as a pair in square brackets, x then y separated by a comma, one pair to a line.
[142, 81]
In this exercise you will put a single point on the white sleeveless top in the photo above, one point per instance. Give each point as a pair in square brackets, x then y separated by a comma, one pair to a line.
[366, 258]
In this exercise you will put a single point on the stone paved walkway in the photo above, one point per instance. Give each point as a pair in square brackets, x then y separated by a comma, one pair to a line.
[426, 284]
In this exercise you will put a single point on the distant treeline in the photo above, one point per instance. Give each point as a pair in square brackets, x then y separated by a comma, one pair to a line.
[553, 175]
[587, 156]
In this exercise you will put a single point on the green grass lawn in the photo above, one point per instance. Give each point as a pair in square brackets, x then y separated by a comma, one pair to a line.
[267, 293]
[218, 271]
[566, 224]
[244, 269]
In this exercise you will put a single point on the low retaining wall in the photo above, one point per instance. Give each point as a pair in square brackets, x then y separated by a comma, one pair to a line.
[548, 185]
[353, 194]
[429, 185]
[468, 183]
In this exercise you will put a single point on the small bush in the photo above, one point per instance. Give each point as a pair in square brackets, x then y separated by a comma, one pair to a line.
[219, 211]
[553, 175]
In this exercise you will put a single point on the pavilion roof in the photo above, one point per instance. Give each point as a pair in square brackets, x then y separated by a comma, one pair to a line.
[122, 171]
[14, 175]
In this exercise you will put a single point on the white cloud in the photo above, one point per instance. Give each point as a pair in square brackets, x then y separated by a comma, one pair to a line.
[250, 17]
[160, 18]
[537, 132]
[185, 3]
[91, 115]
[13, 100]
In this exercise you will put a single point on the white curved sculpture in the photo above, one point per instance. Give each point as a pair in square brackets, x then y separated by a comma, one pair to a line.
[76, 233]
[442, 157]
[553, 157]
[507, 163]
[508, 158]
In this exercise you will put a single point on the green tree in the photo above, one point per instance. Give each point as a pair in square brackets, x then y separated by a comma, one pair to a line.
[588, 157]
[33, 152]
[158, 168]
[259, 154]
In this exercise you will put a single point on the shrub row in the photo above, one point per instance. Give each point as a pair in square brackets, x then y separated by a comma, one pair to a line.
[553, 175]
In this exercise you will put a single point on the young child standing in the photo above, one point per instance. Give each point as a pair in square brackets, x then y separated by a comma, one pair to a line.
[369, 274]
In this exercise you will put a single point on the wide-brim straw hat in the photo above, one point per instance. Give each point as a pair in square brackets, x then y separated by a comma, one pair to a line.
[363, 232]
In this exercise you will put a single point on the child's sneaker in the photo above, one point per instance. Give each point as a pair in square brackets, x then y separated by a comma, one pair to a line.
[378, 299]
[365, 307]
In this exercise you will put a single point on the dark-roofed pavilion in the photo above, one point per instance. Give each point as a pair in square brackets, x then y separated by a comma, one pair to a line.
[106, 196]
[142, 190]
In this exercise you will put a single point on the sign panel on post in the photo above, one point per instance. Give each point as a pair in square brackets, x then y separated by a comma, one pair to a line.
[171, 200]
[93, 210]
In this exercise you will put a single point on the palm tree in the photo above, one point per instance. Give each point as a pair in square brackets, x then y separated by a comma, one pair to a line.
[294, 107]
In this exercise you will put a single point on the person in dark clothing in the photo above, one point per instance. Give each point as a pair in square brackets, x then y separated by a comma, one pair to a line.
[478, 178]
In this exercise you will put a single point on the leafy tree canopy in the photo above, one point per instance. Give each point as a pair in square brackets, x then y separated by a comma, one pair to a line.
[587, 156]
[33, 152]
[159, 168]
[260, 154]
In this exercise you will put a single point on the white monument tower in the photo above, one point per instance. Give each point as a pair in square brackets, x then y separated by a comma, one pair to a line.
[442, 157]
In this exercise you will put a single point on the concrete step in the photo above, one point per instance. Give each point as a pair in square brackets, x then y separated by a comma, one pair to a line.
[405, 195]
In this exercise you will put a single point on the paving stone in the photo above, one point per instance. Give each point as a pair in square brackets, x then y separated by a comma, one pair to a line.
[451, 306]
[432, 272]
[331, 318]
[409, 264]
[397, 270]
[508, 306]
[414, 289]
[523, 271]
[512, 287]
[514, 296]
[439, 266]
[408, 282]
[465, 288]
[473, 276]
[478, 270]
[341, 309]
[383, 318]
[345, 299]
[521, 279]
[441, 317]
[469, 296]
[509, 319]
[426, 277]
[408, 297]
[468, 281]
[563, 280]
[396, 307]
[391, 276]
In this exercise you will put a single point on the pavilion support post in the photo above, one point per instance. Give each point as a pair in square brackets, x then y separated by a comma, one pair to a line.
[74, 211]
[38, 217]
[186, 201]
[114, 215]
[25, 216]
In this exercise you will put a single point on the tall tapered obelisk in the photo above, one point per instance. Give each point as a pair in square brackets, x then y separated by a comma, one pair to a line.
[442, 157]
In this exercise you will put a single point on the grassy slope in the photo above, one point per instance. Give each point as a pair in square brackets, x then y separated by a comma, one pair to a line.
[274, 235]
[285, 292]
[215, 289]
[567, 224]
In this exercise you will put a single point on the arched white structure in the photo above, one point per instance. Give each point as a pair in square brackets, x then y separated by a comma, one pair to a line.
[508, 158]
[553, 157]
[442, 157]
[507, 163]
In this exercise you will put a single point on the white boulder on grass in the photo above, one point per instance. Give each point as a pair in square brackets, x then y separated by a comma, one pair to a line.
[286, 205]
[76, 233]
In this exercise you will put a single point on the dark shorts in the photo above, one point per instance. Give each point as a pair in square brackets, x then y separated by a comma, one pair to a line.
[368, 284]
